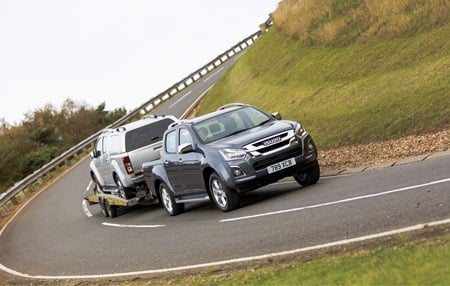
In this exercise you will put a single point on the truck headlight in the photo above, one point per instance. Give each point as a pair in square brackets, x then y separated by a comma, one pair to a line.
[232, 154]
[299, 130]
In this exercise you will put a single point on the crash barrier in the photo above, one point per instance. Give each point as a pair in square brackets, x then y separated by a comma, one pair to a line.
[21, 189]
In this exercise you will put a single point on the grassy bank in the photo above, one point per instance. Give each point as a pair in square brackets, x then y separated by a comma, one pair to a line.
[420, 262]
[353, 89]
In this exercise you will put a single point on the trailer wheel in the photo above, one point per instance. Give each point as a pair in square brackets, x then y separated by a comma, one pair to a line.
[101, 203]
[111, 210]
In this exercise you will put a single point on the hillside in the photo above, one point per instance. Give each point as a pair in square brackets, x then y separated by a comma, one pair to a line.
[353, 72]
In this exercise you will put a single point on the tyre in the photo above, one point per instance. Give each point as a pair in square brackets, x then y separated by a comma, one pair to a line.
[309, 176]
[121, 189]
[101, 203]
[110, 209]
[168, 201]
[224, 198]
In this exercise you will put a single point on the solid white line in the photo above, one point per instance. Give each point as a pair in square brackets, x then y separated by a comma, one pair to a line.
[236, 260]
[133, 225]
[213, 74]
[181, 98]
[88, 187]
[337, 202]
[85, 209]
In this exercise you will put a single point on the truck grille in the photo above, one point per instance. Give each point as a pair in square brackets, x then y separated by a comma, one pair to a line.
[270, 144]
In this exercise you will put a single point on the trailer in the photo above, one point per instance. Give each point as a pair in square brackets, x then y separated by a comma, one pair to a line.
[109, 203]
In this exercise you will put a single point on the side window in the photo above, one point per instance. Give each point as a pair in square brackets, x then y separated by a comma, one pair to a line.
[99, 145]
[185, 136]
[171, 142]
[113, 144]
[147, 134]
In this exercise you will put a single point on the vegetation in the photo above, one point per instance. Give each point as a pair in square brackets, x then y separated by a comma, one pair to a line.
[351, 71]
[420, 262]
[45, 134]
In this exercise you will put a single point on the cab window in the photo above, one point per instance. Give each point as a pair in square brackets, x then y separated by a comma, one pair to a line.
[185, 136]
[171, 142]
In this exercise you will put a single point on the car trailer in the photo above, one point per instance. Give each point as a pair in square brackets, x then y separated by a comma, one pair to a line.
[110, 203]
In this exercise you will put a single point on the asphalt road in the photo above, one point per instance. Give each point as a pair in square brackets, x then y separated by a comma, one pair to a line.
[55, 236]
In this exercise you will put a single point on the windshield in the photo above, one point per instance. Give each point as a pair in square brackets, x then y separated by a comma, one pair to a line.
[230, 123]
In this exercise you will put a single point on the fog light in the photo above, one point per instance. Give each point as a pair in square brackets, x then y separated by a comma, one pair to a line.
[236, 171]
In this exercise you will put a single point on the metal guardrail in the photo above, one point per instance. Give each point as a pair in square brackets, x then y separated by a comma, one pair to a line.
[14, 194]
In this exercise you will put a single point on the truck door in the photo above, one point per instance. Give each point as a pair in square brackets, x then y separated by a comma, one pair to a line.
[101, 161]
[189, 167]
[170, 161]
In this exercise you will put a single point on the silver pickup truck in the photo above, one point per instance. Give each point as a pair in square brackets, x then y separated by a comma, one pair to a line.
[117, 159]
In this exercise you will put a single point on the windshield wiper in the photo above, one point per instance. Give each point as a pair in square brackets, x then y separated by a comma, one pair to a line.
[238, 131]
[264, 122]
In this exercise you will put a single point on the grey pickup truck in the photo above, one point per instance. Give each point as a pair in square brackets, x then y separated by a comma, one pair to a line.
[226, 153]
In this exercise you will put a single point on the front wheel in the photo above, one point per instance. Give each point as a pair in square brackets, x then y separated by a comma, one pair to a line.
[168, 201]
[309, 176]
[224, 198]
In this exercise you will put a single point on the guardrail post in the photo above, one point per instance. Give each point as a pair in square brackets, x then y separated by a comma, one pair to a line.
[4, 210]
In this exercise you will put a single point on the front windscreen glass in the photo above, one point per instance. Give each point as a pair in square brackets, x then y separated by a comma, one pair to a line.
[230, 123]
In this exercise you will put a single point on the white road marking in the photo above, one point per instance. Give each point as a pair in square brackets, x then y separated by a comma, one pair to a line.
[236, 260]
[133, 225]
[213, 74]
[337, 202]
[180, 99]
[88, 187]
[85, 208]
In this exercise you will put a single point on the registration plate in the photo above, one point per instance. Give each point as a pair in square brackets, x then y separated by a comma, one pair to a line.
[281, 165]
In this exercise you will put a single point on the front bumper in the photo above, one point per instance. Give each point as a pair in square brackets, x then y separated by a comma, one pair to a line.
[255, 169]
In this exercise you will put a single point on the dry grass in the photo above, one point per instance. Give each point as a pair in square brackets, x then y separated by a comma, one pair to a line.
[331, 22]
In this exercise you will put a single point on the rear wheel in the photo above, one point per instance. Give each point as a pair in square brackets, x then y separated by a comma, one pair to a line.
[224, 198]
[121, 189]
[168, 201]
[309, 176]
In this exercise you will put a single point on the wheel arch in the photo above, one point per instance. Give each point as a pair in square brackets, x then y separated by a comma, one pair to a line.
[206, 174]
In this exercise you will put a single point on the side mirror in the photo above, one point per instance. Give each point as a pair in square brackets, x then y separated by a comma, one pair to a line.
[95, 154]
[185, 148]
[276, 115]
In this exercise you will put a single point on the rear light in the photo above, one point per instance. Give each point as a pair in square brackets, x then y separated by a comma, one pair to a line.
[128, 166]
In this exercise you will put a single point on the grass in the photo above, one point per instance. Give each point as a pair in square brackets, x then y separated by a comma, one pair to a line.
[401, 260]
[422, 263]
[346, 93]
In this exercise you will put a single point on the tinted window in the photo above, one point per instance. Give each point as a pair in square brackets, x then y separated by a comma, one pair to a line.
[146, 135]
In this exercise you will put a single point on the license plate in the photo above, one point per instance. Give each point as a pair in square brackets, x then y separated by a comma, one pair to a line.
[281, 165]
